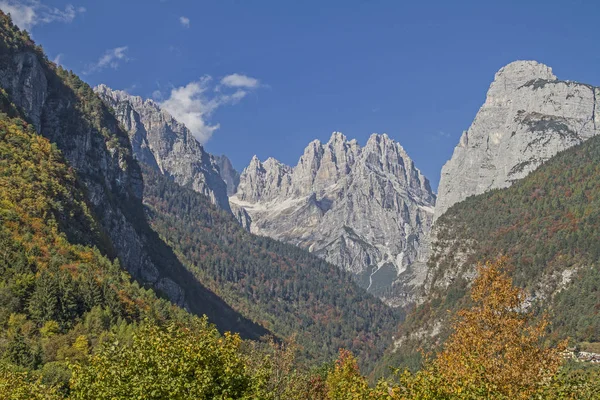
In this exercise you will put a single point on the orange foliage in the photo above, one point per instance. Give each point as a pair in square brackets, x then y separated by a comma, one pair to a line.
[494, 344]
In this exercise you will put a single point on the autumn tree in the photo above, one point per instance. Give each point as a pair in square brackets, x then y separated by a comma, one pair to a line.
[278, 374]
[345, 381]
[496, 348]
[18, 385]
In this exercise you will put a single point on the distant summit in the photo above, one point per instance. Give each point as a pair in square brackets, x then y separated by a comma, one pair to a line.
[366, 209]
[229, 175]
[528, 116]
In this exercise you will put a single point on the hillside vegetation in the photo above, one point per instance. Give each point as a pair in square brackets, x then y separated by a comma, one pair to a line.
[57, 299]
[285, 289]
[275, 288]
[548, 227]
[494, 351]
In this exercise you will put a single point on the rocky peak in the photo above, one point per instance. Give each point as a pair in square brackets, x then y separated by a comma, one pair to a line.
[114, 97]
[517, 74]
[386, 156]
[166, 144]
[229, 175]
[338, 145]
[312, 155]
[104, 90]
[383, 147]
[336, 149]
[528, 116]
[365, 209]
[252, 181]
[255, 163]
[263, 181]
[337, 137]
[274, 164]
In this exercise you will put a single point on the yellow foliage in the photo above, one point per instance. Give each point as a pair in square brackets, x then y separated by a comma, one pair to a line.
[345, 382]
[167, 363]
[49, 329]
[82, 344]
[496, 350]
[21, 386]
[34, 186]
[495, 346]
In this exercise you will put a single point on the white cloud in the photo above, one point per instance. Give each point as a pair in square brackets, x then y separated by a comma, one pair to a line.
[190, 106]
[185, 22]
[194, 104]
[111, 58]
[240, 81]
[28, 13]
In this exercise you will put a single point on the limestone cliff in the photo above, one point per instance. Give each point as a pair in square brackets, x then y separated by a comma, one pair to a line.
[229, 175]
[366, 209]
[167, 145]
[528, 116]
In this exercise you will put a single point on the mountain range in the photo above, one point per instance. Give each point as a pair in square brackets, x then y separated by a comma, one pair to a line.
[369, 210]
[158, 207]
[113, 214]
[365, 209]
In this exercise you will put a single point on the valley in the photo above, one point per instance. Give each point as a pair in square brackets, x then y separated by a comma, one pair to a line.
[133, 262]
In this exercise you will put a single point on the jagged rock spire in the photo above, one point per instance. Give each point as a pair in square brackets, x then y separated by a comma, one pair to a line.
[366, 209]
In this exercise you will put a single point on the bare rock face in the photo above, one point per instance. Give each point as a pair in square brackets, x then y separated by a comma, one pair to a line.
[111, 176]
[168, 146]
[27, 84]
[366, 209]
[229, 175]
[529, 116]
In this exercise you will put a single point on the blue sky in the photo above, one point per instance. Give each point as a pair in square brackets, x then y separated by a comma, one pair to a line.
[266, 77]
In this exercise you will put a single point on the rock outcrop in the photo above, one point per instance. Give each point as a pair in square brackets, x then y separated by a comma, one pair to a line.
[166, 145]
[366, 209]
[229, 175]
[113, 179]
[62, 108]
[528, 116]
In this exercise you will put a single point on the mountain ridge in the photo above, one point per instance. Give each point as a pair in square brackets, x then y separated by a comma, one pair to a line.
[498, 196]
[167, 145]
[66, 111]
[338, 202]
[545, 225]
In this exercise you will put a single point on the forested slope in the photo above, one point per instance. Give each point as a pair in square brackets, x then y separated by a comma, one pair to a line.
[55, 295]
[74, 325]
[547, 224]
[285, 289]
[59, 106]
